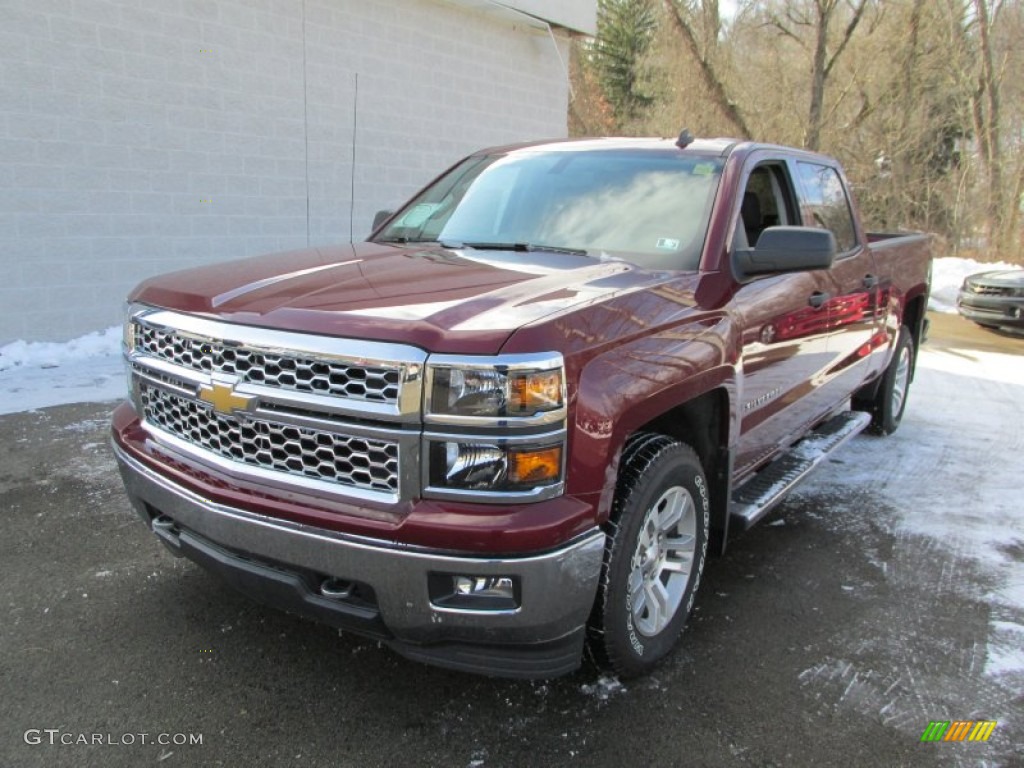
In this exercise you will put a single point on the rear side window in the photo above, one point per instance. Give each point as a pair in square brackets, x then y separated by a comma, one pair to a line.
[825, 203]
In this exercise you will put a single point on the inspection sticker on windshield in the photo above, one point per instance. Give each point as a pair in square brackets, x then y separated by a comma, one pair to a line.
[703, 169]
[417, 215]
[667, 244]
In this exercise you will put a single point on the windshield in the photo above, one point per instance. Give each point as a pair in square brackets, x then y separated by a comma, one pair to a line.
[648, 207]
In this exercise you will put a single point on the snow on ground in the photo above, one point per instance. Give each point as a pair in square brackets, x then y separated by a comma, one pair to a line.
[953, 473]
[948, 275]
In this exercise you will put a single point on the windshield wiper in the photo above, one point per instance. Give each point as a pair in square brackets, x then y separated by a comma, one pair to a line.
[404, 240]
[527, 247]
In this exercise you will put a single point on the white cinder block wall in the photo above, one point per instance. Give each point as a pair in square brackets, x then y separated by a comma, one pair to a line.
[142, 136]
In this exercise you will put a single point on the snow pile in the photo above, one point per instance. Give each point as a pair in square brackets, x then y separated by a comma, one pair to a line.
[948, 275]
[40, 374]
[44, 354]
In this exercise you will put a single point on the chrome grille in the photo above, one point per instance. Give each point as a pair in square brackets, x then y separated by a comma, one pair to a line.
[991, 290]
[294, 372]
[364, 463]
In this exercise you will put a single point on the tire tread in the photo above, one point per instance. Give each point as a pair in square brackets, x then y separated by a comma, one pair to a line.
[643, 450]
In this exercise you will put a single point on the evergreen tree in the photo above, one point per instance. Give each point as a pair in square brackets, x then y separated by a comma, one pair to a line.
[625, 30]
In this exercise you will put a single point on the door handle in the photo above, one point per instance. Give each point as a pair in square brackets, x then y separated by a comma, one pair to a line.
[818, 299]
[870, 281]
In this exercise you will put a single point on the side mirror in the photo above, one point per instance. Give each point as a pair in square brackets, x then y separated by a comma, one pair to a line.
[380, 217]
[785, 249]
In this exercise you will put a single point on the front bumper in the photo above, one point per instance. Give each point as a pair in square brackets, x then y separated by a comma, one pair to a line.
[283, 563]
[1000, 311]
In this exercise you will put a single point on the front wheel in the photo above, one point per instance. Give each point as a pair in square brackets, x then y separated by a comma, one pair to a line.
[655, 554]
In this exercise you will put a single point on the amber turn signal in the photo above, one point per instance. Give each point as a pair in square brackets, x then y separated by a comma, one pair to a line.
[536, 391]
[535, 467]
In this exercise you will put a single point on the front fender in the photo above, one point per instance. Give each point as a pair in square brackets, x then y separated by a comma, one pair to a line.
[632, 384]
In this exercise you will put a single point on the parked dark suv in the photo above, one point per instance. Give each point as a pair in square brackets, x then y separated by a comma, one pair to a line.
[994, 299]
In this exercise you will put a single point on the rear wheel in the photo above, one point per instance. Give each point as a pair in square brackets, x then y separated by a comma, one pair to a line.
[655, 554]
[890, 398]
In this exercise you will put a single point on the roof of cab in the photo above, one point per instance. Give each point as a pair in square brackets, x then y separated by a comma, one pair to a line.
[718, 146]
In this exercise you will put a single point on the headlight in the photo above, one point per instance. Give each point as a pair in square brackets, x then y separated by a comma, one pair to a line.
[468, 390]
[484, 414]
[465, 464]
[128, 329]
[128, 342]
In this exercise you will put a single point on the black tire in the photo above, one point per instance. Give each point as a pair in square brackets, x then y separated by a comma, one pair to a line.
[658, 476]
[889, 401]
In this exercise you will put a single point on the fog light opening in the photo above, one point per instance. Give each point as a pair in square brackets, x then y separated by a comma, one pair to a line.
[484, 586]
[471, 592]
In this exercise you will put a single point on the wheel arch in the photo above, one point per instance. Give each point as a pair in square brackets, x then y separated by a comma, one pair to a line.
[914, 319]
[703, 423]
[911, 313]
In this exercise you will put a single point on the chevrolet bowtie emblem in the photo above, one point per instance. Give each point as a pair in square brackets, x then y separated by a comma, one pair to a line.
[223, 398]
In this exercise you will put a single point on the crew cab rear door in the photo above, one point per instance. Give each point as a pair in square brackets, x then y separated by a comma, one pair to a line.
[855, 309]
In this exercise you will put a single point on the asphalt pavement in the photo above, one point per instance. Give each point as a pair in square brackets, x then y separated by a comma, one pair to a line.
[113, 653]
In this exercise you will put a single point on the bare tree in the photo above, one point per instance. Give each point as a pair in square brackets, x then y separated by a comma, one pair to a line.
[986, 108]
[823, 13]
[1006, 112]
[590, 113]
[975, 24]
[681, 23]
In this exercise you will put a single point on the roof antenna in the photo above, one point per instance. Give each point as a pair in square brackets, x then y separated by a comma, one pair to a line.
[685, 139]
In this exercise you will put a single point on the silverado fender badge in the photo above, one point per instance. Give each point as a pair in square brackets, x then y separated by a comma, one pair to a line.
[222, 396]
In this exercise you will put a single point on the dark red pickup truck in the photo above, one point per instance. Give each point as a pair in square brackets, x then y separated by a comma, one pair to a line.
[520, 416]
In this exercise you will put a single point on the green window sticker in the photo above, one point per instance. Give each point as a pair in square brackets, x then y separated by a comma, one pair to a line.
[703, 169]
[418, 215]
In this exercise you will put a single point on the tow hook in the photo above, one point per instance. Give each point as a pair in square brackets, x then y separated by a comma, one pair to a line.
[167, 531]
[336, 589]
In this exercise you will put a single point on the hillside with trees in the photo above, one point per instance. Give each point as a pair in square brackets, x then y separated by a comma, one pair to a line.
[920, 99]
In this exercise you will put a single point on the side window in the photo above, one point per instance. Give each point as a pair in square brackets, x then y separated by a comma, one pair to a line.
[824, 202]
[766, 202]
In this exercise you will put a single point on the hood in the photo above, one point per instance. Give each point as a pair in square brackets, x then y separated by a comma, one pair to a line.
[444, 300]
[1013, 278]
